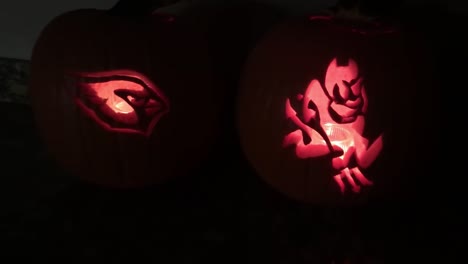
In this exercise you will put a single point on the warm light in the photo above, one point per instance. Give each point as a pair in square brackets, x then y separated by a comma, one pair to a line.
[123, 107]
[332, 121]
[339, 136]
[106, 92]
[121, 101]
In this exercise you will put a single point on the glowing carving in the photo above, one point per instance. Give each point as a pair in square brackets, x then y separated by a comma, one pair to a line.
[121, 101]
[332, 121]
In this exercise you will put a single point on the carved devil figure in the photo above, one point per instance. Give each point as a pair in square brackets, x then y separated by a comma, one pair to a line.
[332, 120]
[333, 111]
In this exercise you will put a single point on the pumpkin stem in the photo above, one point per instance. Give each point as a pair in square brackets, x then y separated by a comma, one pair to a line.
[138, 8]
[349, 10]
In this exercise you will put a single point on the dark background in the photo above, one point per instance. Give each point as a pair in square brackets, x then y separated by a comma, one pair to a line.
[224, 213]
[22, 20]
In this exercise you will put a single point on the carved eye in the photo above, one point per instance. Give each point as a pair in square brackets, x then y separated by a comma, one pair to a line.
[137, 101]
[337, 96]
[347, 84]
[312, 106]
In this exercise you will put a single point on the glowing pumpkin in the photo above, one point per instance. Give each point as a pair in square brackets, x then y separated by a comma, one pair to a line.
[124, 100]
[331, 110]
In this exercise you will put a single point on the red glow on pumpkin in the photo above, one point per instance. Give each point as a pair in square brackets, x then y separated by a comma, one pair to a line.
[106, 92]
[332, 122]
[121, 101]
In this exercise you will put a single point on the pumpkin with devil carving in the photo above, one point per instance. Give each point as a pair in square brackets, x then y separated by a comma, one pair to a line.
[124, 100]
[331, 110]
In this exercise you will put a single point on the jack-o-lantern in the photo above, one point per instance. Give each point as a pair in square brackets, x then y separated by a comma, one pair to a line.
[333, 110]
[124, 100]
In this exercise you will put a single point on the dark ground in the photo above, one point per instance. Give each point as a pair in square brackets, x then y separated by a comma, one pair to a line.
[226, 217]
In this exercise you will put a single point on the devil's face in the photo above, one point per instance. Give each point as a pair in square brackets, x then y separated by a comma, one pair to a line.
[346, 91]
[121, 101]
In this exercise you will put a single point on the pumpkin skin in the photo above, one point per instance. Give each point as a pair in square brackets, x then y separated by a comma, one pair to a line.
[124, 101]
[331, 111]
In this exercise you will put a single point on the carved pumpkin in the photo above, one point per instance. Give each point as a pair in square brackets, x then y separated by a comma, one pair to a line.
[332, 111]
[124, 101]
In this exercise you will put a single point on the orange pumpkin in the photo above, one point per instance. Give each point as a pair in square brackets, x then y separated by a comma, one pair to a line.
[331, 110]
[124, 100]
